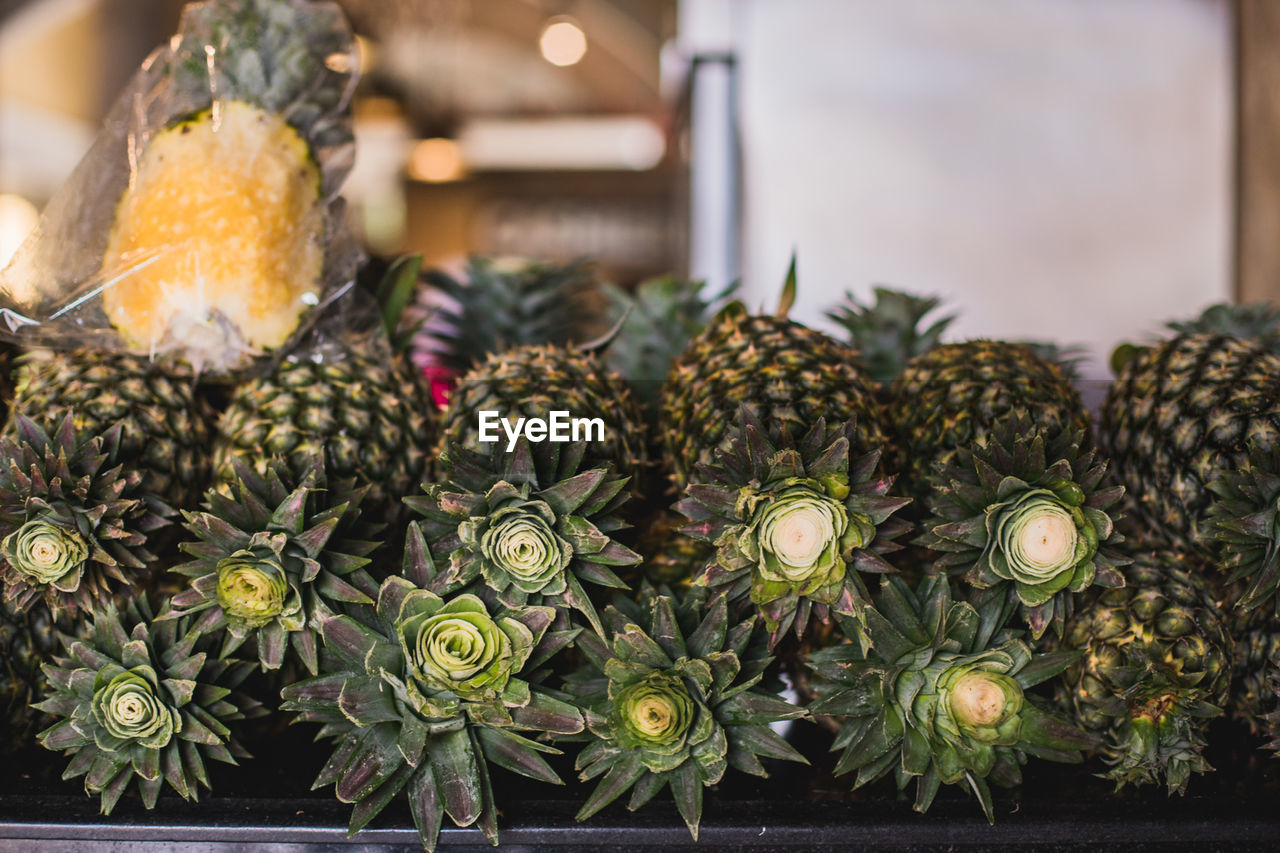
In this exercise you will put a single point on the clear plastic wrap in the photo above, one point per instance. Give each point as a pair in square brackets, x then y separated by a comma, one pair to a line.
[205, 221]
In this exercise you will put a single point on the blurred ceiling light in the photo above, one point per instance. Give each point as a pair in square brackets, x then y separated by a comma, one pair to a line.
[563, 42]
[436, 161]
[17, 219]
[603, 143]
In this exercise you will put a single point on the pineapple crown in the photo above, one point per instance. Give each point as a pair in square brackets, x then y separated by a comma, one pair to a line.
[1163, 739]
[673, 695]
[140, 699]
[660, 319]
[1156, 668]
[501, 306]
[934, 689]
[793, 522]
[423, 693]
[1023, 516]
[290, 57]
[395, 291]
[1257, 321]
[527, 527]
[1067, 357]
[1244, 522]
[272, 557]
[73, 522]
[887, 332]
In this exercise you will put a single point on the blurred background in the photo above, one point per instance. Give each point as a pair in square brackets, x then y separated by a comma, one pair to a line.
[1057, 169]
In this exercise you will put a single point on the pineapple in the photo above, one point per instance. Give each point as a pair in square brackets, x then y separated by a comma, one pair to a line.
[533, 381]
[1178, 412]
[887, 333]
[951, 395]
[218, 244]
[788, 376]
[1254, 699]
[506, 303]
[167, 427]
[273, 557]
[352, 398]
[28, 639]
[1242, 526]
[143, 701]
[1257, 321]
[1155, 671]
[529, 527]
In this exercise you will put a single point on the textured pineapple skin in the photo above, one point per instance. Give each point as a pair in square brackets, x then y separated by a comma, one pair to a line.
[1166, 614]
[671, 557]
[788, 375]
[27, 639]
[168, 427]
[221, 226]
[371, 412]
[533, 381]
[1179, 411]
[951, 395]
[1253, 701]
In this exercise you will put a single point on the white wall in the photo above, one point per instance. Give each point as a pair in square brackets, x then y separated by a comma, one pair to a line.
[1057, 168]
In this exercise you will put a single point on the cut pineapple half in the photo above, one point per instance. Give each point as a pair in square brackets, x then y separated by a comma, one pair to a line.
[218, 244]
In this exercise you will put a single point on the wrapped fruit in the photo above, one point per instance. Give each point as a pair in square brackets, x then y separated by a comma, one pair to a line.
[204, 222]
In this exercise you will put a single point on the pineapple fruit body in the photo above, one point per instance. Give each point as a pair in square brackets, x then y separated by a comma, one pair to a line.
[349, 401]
[167, 425]
[951, 395]
[1156, 668]
[786, 374]
[27, 639]
[532, 382]
[1180, 411]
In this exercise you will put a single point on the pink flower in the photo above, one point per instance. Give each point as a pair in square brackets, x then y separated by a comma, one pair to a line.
[441, 381]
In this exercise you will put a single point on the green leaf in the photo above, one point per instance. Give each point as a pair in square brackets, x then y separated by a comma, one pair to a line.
[761, 740]
[370, 807]
[367, 702]
[517, 754]
[1045, 666]
[686, 790]
[757, 708]
[395, 290]
[457, 773]
[426, 807]
[548, 714]
[565, 497]
[625, 772]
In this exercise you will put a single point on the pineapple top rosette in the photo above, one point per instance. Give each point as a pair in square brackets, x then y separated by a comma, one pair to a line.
[1026, 518]
[793, 523]
[204, 223]
[934, 690]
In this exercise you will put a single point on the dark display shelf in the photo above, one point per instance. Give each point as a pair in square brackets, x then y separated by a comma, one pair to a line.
[267, 802]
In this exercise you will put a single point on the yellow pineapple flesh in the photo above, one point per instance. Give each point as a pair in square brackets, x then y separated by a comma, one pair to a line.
[218, 244]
